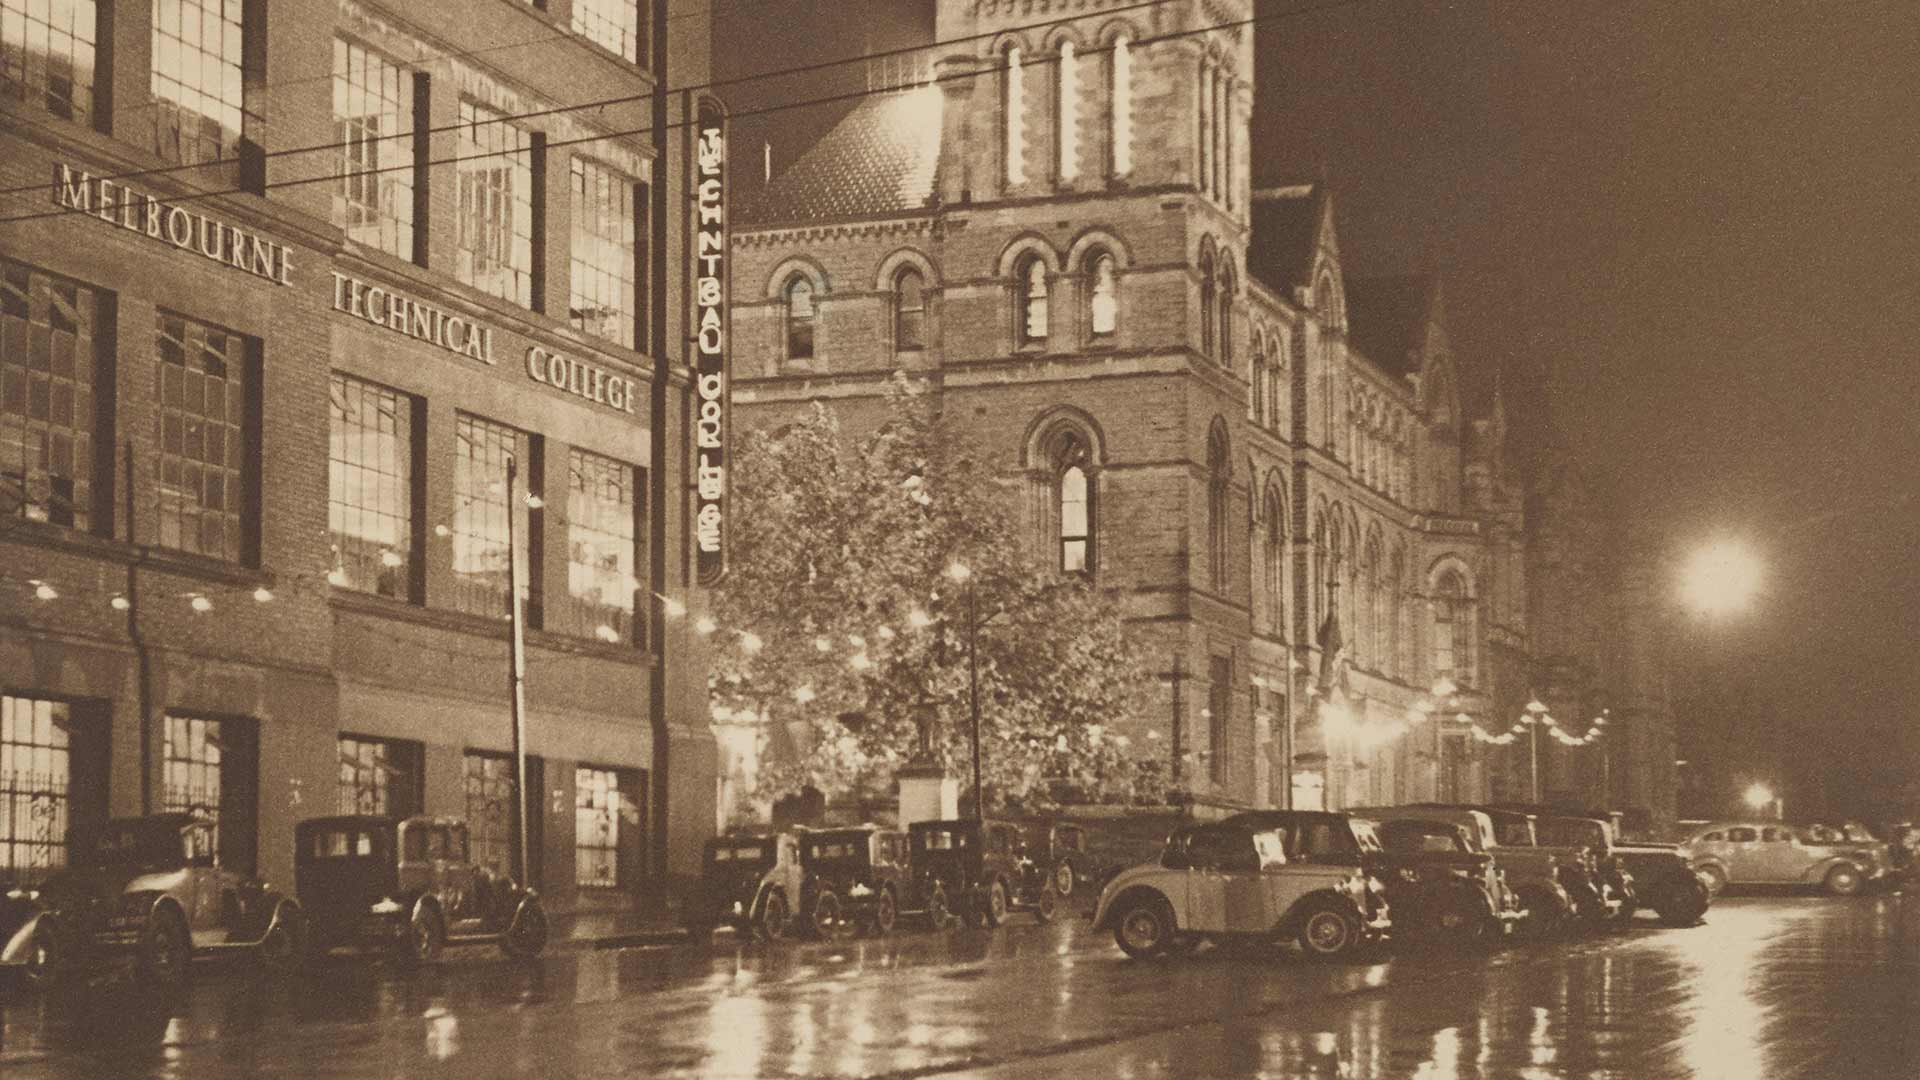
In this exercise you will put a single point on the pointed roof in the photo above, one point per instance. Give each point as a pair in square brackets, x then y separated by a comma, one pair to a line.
[1286, 234]
[1388, 317]
[881, 159]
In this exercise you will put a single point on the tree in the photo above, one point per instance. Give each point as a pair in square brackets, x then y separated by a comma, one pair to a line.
[843, 634]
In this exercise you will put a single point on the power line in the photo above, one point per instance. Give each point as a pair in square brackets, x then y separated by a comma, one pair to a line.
[624, 99]
[332, 177]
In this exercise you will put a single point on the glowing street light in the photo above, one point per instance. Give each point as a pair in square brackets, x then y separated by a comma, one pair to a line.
[1760, 797]
[1721, 578]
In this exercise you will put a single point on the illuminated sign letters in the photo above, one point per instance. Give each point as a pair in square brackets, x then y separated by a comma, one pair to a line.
[710, 346]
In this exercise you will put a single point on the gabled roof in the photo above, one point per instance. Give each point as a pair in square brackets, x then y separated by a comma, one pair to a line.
[882, 158]
[1387, 319]
[1286, 235]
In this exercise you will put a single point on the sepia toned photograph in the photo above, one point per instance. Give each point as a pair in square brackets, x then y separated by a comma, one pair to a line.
[1002, 539]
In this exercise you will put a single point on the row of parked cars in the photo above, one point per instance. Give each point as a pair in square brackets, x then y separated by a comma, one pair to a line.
[151, 888]
[1842, 858]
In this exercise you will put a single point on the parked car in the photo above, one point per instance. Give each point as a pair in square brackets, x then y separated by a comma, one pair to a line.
[1592, 837]
[151, 888]
[407, 886]
[1595, 902]
[1442, 885]
[983, 868]
[1062, 846]
[1226, 880]
[1532, 874]
[1774, 853]
[853, 878]
[745, 882]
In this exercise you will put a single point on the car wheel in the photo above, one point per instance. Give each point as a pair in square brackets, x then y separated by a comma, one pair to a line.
[1063, 880]
[939, 912]
[994, 911]
[426, 937]
[166, 951]
[1844, 880]
[825, 920]
[1684, 903]
[886, 912]
[1714, 878]
[1328, 933]
[284, 948]
[1045, 904]
[528, 935]
[1145, 929]
[773, 917]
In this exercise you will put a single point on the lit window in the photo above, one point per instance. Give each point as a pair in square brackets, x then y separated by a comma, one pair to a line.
[613, 23]
[35, 787]
[909, 309]
[492, 817]
[482, 450]
[1103, 306]
[1069, 111]
[49, 415]
[1453, 630]
[370, 505]
[604, 259]
[47, 54]
[602, 553]
[495, 250]
[598, 806]
[1075, 520]
[205, 461]
[201, 761]
[379, 776]
[1033, 302]
[1013, 106]
[1122, 99]
[372, 109]
[799, 319]
[197, 83]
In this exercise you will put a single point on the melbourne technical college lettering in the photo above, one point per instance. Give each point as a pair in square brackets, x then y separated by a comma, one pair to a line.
[404, 315]
[596, 384]
[138, 212]
[710, 341]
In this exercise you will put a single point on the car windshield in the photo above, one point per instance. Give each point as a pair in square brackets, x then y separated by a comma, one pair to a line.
[1573, 832]
[1407, 837]
[1823, 834]
[1364, 834]
[340, 843]
[1514, 832]
[132, 843]
[739, 852]
[941, 839]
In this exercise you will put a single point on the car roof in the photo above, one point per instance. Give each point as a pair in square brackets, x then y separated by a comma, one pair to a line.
[348, 821]
[1269, 818]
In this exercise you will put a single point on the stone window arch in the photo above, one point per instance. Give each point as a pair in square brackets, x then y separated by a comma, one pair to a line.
[799, 312]
[1275, 555]
[1452, 605]
[1064, 460]
[909, 308]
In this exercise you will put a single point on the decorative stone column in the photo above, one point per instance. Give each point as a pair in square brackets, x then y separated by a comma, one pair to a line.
[927, 793]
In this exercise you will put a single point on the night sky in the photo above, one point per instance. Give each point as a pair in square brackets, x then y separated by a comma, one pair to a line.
[1694, 229]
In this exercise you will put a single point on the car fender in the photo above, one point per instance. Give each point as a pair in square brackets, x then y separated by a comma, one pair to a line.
[1126, 897]
[428, 902]
[759, 905]
[19, 944]
[1290, 922]
[1714, 862]
[1556, 894]
[1817, 872]
[529, 900]
[286, 912]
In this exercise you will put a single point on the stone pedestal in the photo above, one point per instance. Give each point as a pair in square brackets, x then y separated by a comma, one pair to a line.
[927, 793]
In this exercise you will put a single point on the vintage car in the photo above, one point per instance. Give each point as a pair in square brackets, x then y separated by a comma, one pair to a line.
[1532, 874]
[1063, 846]
[746, 881]
[983, 867]
[1773, 853]
[1592, 837]
[1223, 881]
[854, 879]
[1443, 886]
[407, 885]
[153, 888]
[1860, 836]
[1595, 902]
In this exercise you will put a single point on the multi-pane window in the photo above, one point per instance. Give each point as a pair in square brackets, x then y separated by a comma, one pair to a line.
[495, 249]
[48, 371]
[613, 23]
[596, 827]
[1453, 630]
[370, 498]
[492, 815]
[799, 319]
[604, 260]
[204, 460]
[1075, 520]
[379, 776]
[1103, 303]
[909, 309]
[482, 502]
[1121, 99]
[602, 553]
[1013, 105]
[1067, 106]
[35, 779]
[372, 119]
[197, 83]
[1032, 290]
[192, 766]
[47, 54]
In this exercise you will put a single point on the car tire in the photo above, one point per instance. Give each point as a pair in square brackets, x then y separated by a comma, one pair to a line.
[1045, 904]
[527, 936]
[426, 936]
[166, 952]
[1145, 928]
[824, 921]
[1844, 880]
[284, 948]
[1683, 903]
[993, 907]
[772, 925]
[886, 913]
[1063, 879]
[1329, 934]
[940, 914]
[1714, 878]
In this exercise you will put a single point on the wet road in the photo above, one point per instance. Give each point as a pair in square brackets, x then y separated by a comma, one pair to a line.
[1774, 985]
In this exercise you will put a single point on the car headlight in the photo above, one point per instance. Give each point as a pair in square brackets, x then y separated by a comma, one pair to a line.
[1408, 873]
[387, 906]
[859, 890]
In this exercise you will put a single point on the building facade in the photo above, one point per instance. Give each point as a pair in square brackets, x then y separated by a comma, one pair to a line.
[1053, 224]
[309, 330]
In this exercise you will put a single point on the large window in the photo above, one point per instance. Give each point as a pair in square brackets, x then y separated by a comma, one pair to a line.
[1227, 287]
[909, 309]
[1067, 111]
[209, 768]
[602, 301]
[799, 318]
[371, 505]
[1031, 294]
[1103, 295]
[493, 818]
[602, 554]
[35, 780]
[600, 803]
[481, 571]
[1013, 109]
[1453, 630]
[47, 54]
[380, 776]
[198, 95]
[372, 119]
[50, 420]
[206, 460]
[1120, 121]
[1275, 557]
[496, 205]
[613, 23]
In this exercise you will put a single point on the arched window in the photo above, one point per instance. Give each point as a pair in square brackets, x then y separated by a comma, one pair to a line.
[1257, 382]
[1276, 560]
[1120, 122]
[1452, 629]
[1066, 471]
[1322, 558]
[1076, 520]
[1394, 659]
[1206, 126]
[1103, 295]
[1032, 289]
[1067, 110]
[1227, 286]
[1013, 103]
[1208, 286]
[1367, 583]
[909, 309]
[1217, 509]
[799, 318]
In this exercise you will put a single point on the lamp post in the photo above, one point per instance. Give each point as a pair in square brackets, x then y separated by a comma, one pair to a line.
[517, 671]
[963, 574]
[1536, 713]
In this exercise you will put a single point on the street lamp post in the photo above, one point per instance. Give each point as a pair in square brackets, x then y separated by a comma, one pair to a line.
[517, 671]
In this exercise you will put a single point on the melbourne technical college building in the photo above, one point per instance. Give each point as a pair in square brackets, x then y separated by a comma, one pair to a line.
[306, 331]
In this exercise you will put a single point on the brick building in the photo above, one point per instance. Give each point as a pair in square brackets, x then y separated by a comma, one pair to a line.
[312, 318]
[1052, 222]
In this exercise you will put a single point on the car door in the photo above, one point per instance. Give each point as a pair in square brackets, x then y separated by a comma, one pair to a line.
[1743, 861]
[1207, 850]
[457, 877]
[1776, 857]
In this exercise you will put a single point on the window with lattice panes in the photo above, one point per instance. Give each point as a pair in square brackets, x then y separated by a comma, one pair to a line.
[494, 242]
[371, 505]
[206, 462]
[602, 298]
[482, 451]
[493, 823]
[379, 776]
[198, 85]
[603, 551]
[35, 787]
[615, 24]
[51, 422]
[48, 55]
[598, 808]
[373, 125]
